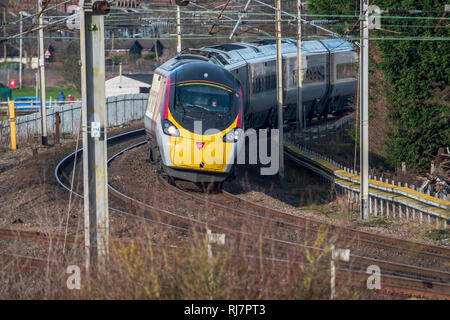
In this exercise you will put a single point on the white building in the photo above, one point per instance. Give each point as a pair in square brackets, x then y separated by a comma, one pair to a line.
[128, 83]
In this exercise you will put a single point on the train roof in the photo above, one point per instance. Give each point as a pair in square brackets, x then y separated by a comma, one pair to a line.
[241, 52]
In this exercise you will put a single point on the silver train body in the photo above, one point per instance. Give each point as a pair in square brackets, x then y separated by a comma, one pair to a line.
[329, 76]
[243, 75]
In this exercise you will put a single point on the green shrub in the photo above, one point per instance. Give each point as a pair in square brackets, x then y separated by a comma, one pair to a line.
[418, 111]
[149, 56]
[118, 58]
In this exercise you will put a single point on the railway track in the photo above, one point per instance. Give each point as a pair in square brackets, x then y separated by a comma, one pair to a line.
[437, 278]
[423, 281]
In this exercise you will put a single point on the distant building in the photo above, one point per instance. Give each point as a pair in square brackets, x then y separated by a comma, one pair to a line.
[136, 48]
[128, 83]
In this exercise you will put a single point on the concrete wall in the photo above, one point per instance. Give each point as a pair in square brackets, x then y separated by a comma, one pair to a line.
[121, 109]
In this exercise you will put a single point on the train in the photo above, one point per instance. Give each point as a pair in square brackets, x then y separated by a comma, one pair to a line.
[202, 100]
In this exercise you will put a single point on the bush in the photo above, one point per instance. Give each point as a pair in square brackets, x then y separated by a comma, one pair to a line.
[149, 56]
[118, 58]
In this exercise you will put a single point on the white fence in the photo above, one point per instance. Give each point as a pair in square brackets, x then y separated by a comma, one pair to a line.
[121, 109]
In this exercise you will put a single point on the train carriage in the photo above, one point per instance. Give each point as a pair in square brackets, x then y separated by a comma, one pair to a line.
[202, 99]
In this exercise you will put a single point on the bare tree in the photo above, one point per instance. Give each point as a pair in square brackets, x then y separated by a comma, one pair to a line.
[70, 64]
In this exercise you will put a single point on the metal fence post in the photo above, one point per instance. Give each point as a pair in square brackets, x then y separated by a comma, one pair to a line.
[12, 124]
[387, 208]
[57, 124]
[376, 208]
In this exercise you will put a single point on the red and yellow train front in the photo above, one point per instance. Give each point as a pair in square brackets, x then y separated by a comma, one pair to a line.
[203, 123]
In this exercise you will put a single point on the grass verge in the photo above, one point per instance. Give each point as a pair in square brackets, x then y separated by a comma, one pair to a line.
[50, 92]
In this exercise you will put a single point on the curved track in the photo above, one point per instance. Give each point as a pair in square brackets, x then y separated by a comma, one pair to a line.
[399, 276]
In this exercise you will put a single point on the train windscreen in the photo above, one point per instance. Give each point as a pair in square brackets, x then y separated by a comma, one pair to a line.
[212, 98]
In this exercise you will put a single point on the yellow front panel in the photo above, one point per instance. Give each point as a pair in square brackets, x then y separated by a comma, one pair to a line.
[201, 152]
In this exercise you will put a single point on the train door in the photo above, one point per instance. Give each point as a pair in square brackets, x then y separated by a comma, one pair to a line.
[315, 82]
[154, 101]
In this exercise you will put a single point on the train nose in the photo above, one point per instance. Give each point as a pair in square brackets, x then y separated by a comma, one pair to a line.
[199, 154]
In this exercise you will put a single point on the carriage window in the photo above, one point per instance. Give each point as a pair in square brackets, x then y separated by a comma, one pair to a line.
[255, 85]
[314, 74]
[271, 82]
[258, 85]
[346, 70]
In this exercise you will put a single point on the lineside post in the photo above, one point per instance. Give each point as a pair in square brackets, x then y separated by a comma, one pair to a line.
[42, 76]
[336, 255]
[178, 30]
[300, 124]
[20, 48]
[12, 124]
[364, 114]
[280, 87]
[94, 120]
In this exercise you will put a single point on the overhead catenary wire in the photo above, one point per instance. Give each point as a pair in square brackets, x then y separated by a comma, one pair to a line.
[43, 11]
[224, 22]
[284, 13]
[39, 27]
[206, 37]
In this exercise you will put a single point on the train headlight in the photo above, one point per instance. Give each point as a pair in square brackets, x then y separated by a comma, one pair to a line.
[170, 129]
[233, 135]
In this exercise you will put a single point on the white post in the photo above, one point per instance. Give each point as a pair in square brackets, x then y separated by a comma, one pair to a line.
[336, 255]
[387, 208]
[364, 114]
[376, 207]
[280, 87]
[120, 72]
[333, 274]
[381, 207]
[36, 80]
[178, 29]
[300, 125]
[94, 120]
[20, 49]
[42, 76]
[214, 238]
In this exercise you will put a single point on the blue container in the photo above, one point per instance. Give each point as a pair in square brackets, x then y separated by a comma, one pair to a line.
[28, 104]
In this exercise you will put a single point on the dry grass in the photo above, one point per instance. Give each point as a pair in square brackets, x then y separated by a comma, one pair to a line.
[152, 267]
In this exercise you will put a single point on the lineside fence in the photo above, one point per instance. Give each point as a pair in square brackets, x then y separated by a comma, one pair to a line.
[121, 110]
[386, 199]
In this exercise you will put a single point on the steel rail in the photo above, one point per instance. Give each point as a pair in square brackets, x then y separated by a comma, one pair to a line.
[37, 237]
[426, 249]
[350, 233]
[24, 264]
[297, 222]
[216, 228]
[395, 269]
